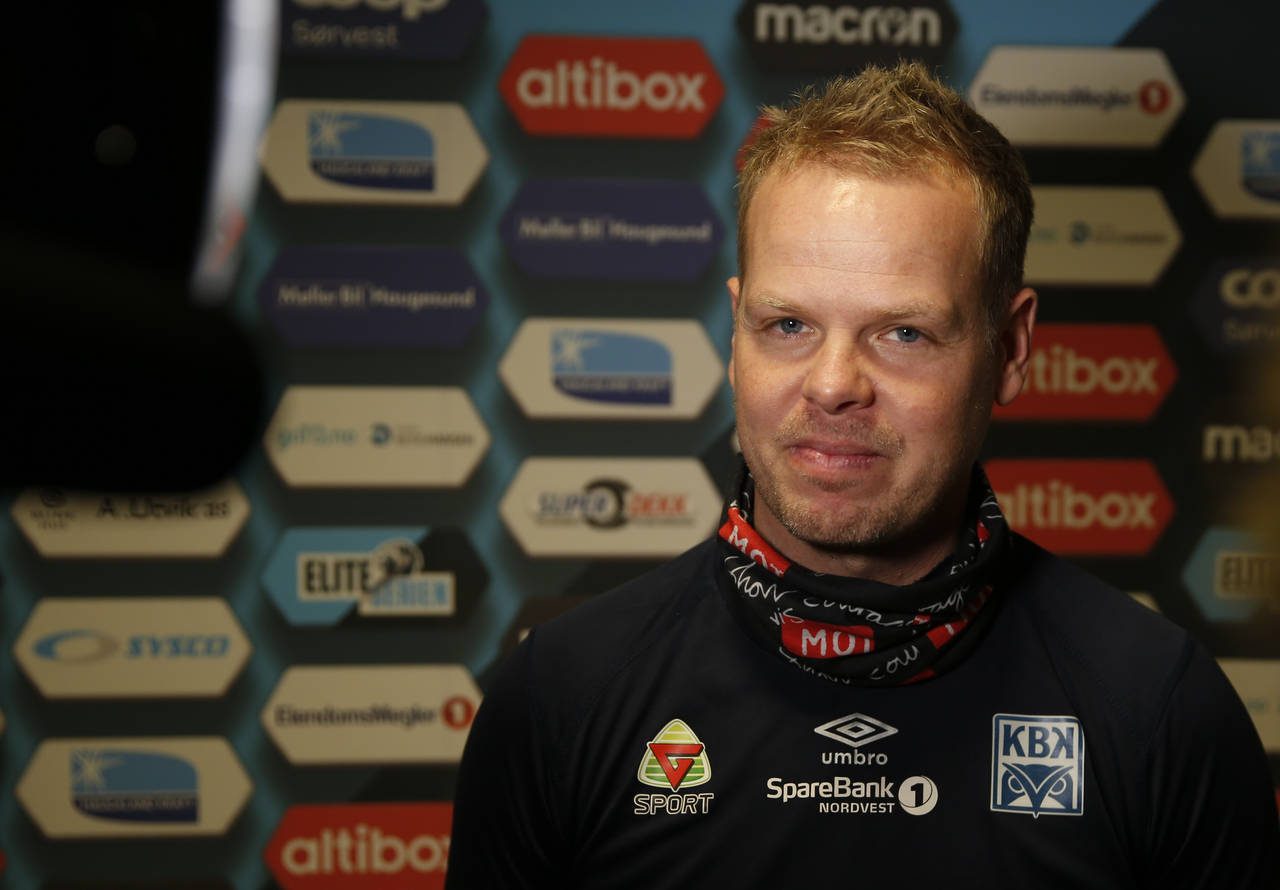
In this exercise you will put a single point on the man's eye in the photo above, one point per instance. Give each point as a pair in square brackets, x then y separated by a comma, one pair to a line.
[790, 326]
[906, 334]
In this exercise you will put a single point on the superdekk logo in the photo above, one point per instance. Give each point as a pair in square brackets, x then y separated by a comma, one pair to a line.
[560, 85]
[1083, 506]
[675, 759]
[374, 846]
[612, 503]
[1094, 372]
[371, 150]
[1037, 765]
[608, 366]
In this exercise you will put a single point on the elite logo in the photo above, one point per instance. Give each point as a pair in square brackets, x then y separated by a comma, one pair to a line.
[379, 846]
[559, 85]
[1238, 169]
[1232, 574]
[1037, 765]
[844, 36]
[673, 760]
[1094, 372]
[1083, 506]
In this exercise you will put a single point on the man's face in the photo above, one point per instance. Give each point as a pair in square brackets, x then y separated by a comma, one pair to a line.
[862, 372]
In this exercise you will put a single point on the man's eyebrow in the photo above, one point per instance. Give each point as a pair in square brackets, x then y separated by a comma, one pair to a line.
[914, 309]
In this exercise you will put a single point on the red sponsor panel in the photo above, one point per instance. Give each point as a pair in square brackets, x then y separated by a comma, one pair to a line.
[1093, 372]
[629, 87]
[361, 846]
[1084, 506]
[817, 639]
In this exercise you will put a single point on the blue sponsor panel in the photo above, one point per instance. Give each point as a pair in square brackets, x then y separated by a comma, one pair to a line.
[355, 296]
[371, 150]
[1231, 574]
[134, 786]
[607, 229]
[384, 29]
[609, 366]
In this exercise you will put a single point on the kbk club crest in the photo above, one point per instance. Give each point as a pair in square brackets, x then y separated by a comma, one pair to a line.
[1037, 765]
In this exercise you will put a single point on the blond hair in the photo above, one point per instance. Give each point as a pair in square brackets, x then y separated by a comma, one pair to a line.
[901, 122]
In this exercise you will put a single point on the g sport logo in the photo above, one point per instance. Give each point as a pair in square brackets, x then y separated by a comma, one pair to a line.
[372, 714]
[1083, 506]
[838, 37]
[612, 229]
[320, 577]
[61, 523]
[122, 787]
[674, 760]
[375, 437]
[1232, 575]
[1257, 682]
[327, 296]
[131, 647]
[373, 152]
[638, 507]
[1106, 235]
[1238, 305]
[1238, 169]
[1093, 372]
[638, 369]
[377, 846]
[1092, 97]
[385, 29]
[640, 88]
[1037, 765]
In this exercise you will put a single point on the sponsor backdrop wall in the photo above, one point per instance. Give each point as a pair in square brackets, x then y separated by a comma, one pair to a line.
[485, 272]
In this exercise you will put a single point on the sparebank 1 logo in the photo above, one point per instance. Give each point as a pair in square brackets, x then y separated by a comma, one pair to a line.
[1037, 765]
[389, 29]
[640, 88]
[134, 786]
[607, 366]
[373, 152]
[1238, 169]
[674, 760]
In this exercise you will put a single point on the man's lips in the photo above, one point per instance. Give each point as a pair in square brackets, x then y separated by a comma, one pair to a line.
[836, 454]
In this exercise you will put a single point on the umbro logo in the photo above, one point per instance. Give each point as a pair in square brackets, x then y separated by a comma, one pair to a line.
[855, 730]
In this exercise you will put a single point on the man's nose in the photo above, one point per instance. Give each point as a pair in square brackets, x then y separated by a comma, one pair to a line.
[839, 377]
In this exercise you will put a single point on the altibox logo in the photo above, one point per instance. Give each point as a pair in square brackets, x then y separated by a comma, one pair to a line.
[1100, 236]
[1037, 765]
[1232, 575]
[639, 369]
[1238, 169]
[131, 647]
[323, 296]
[385, 29]
[1238, 305]
[612, 229]
[638, 507]
[640, 88]
[845, 36]
[376, 846]
[133, 787]
[372, 714]
[323, 576]
[373, 152]
[61, 523]
[375, 436]
[1083, 506]
[1093, 372]
[1078, 96]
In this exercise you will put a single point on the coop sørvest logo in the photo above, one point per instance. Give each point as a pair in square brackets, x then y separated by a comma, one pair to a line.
[1083, 506]
[648, 88]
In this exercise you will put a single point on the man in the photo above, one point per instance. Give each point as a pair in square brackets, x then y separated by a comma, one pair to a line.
[866, 679]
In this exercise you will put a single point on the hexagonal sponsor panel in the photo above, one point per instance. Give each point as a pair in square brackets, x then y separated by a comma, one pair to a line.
[637, 369]
[357, 152]
[408, 29]
[1238, 169]
[1231, 575]
[132, 647]
[1237, 305]
[1257, 682]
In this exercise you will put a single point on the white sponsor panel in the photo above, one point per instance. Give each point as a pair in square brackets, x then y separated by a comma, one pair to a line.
[375, 437]
[372, 714]
[1103, 235]
[1146, 599]
[1093, 97]
[650, 507]
[159, 786]
[1257, 682]
[356, 152]
[611, 368]
[62, 523]
[131, 647]
[1238, 169]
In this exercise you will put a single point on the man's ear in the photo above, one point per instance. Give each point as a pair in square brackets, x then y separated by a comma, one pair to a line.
[1014, 346]
[735, 293]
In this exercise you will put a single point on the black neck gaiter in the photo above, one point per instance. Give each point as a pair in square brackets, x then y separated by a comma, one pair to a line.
[860, 632]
